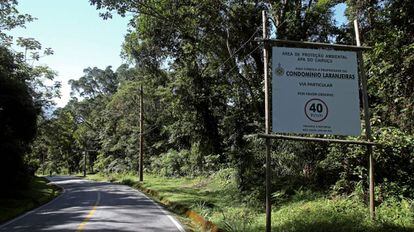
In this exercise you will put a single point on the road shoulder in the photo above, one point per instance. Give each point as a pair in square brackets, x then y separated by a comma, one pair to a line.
[40, 192]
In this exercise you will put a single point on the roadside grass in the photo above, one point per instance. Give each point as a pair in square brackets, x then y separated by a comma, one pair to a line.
[343, 215]
[38, 193]
[216, 199]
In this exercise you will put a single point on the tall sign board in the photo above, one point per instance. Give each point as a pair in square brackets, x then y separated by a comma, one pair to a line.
[315, 91]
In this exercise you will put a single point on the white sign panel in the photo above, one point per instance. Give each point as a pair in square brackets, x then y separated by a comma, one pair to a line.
[315, 91]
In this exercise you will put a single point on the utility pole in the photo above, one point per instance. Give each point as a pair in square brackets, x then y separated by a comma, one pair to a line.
[43, 163]
[141, 134]
[84, 163]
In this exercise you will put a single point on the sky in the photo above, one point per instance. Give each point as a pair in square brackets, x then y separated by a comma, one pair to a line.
[339, 12]
[78, 36]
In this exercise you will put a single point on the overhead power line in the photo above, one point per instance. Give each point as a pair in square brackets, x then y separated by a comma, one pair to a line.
[244, 44]
[239, 49]
[244, 58]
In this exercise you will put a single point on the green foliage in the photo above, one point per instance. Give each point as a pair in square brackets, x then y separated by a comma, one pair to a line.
[10, 18]
[37, 193]
[102, 161]
[200, 70]
[172, 163]
[400, 212]
[95, 82]
[17, 123]
[395, 159]
[28, 51]
[203, 88]
[393, 170]
[297, 20]
[183, 163]
[55, 145]
[217, 198]
[321, 214]
[387, 26]
[238, 220]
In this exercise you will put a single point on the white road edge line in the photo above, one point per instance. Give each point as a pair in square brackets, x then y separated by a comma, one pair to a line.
[172, 219]
[177, 224]
[33, 210]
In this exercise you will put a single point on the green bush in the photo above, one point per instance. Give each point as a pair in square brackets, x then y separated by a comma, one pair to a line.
[183, 163]
[102, 162]
[172, 163]
[396, 212]
[394, 165]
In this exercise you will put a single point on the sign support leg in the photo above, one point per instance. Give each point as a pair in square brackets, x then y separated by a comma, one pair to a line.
[367, 125]
[268, 203]
[267, 124]
[371, 183]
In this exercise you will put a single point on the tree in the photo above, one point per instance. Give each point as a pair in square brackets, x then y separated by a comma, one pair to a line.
[23, 96]
[95, 82]
[10, 18]
[202, 60]
[386, 26]
[17, 122]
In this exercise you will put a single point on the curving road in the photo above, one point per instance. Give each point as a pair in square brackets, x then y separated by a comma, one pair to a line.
[95, 206]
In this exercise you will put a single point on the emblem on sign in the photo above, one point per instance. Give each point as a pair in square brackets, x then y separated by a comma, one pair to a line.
[279, 71]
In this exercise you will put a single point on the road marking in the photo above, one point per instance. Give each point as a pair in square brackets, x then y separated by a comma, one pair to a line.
[90, 214]
[177, 224]
[172, 219]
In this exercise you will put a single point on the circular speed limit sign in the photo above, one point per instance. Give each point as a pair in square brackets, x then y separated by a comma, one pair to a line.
[316, 110]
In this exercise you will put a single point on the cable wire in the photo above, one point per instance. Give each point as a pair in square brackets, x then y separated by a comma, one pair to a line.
[244, 44]
[242, 60]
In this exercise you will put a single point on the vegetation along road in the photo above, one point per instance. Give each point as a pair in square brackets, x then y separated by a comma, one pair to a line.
[237, 115]
[95, 206]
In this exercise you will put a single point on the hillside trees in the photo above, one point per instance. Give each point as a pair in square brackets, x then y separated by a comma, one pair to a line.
[74, 129]
[200, 44]
[202, 60]
[201, 71]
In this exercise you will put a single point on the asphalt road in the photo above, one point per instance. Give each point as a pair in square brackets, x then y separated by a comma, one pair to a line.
[95, 206]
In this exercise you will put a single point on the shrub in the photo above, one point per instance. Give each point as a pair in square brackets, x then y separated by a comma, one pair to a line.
[184, 163]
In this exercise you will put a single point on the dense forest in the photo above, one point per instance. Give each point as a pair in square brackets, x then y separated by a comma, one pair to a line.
[201, 71]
